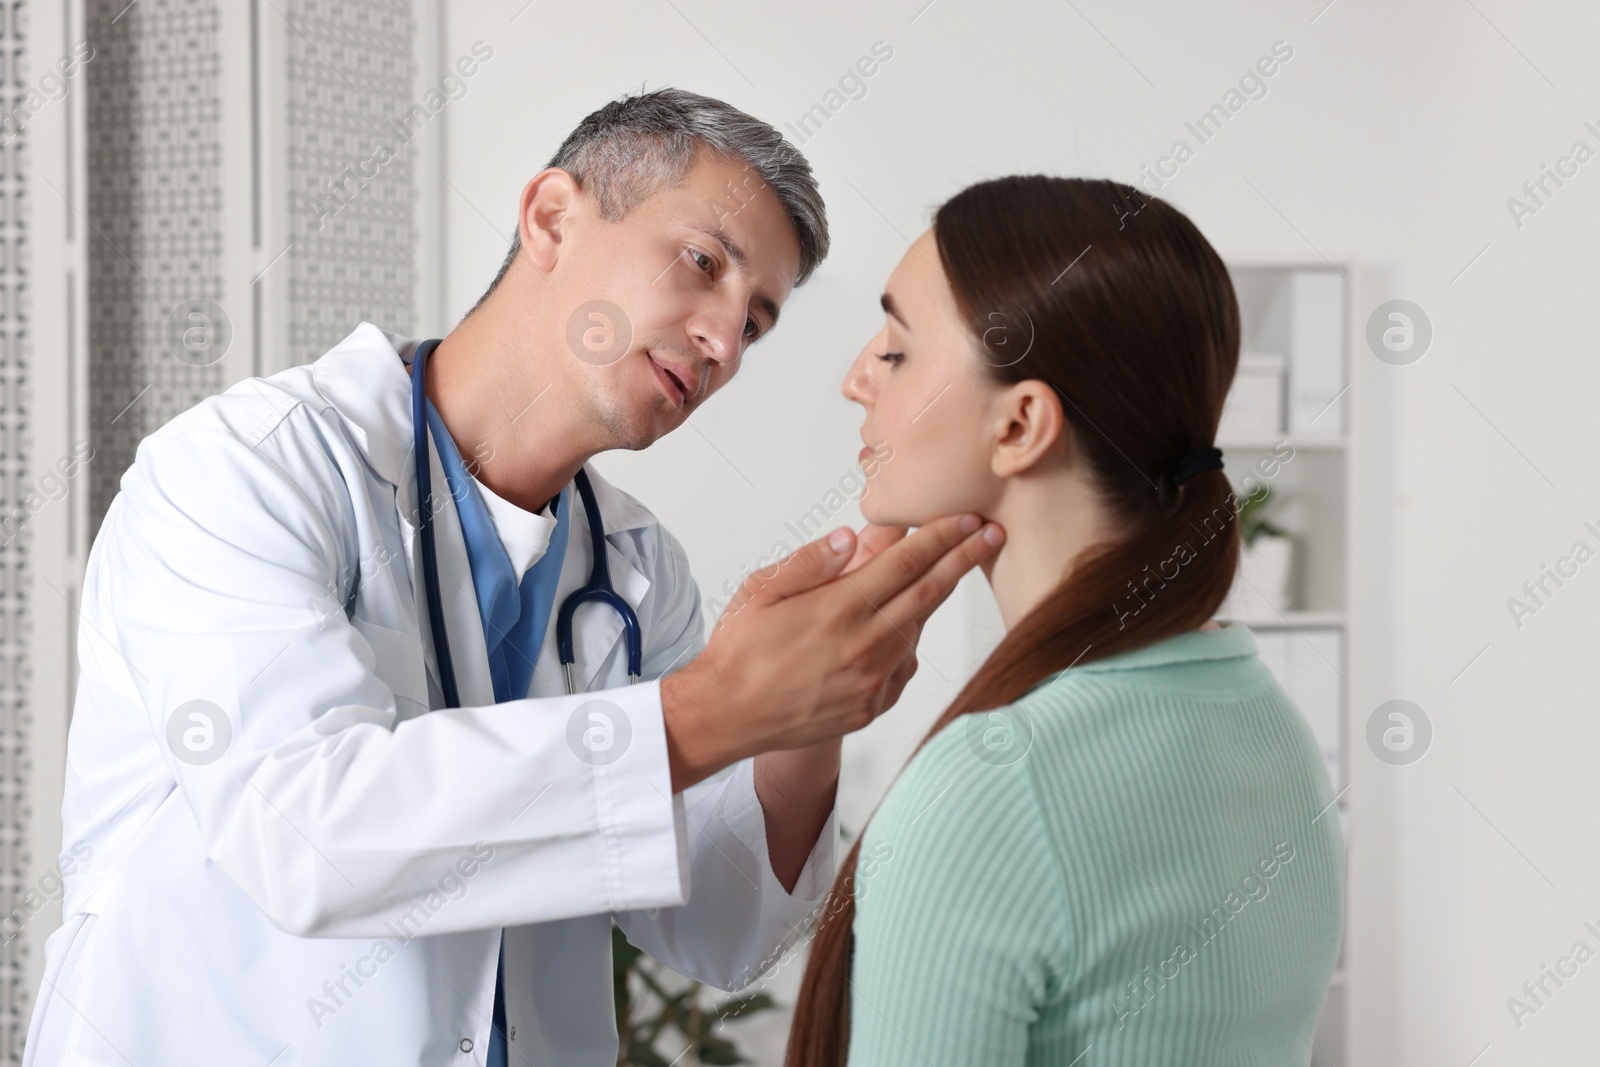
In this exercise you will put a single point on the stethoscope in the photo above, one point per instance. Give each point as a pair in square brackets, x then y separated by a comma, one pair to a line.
[599, 587]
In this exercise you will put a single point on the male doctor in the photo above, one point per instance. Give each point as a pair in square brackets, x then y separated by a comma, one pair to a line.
[296, 853]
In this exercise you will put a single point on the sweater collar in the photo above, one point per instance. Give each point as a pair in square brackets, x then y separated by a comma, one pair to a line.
[1234, 639]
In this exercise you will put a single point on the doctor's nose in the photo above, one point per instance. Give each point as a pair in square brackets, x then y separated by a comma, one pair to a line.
[719, 338]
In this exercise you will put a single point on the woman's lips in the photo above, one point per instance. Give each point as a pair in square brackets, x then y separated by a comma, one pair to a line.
[670, 386]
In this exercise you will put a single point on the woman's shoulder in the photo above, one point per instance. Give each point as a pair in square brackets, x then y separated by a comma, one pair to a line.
[960, 842]
[997, 758]
[965, 798]
[1197, 717]
[1182, 703]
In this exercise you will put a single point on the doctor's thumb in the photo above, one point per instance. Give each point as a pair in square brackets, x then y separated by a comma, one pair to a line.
[812, 564]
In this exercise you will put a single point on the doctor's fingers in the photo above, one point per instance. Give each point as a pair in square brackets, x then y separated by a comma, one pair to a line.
[896, 682]
[910, 579]
[813, 564]
[870, 542]
[884, 664]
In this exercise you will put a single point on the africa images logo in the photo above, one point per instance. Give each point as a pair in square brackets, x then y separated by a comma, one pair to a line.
[198, 732]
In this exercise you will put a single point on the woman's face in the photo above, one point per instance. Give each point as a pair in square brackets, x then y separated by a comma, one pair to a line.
[928, 406]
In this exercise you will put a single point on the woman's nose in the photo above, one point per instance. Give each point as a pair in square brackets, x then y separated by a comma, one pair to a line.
[857, 384]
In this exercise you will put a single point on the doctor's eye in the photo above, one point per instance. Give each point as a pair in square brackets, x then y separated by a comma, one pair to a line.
[698, 255]
[752, 329]
[891, 357]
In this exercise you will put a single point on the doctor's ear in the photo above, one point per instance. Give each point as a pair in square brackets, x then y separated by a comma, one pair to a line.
[1030, 426]
[547, 201]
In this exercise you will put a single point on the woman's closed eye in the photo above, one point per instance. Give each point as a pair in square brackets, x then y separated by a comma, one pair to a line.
[891, 357]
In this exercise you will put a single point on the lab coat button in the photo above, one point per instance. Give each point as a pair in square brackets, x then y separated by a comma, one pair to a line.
[513, 1034]
[466, 1044]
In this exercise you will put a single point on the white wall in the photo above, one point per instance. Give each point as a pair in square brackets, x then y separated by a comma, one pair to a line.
[1390, 140]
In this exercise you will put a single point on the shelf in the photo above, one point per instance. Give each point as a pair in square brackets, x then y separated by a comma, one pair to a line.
[1300, 313]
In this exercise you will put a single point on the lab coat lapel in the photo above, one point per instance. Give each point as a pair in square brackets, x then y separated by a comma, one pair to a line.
[463, 622]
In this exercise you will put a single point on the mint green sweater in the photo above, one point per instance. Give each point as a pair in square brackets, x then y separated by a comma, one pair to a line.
[1137, 862]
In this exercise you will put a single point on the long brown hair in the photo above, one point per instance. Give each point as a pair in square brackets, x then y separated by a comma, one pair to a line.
[1117, 301]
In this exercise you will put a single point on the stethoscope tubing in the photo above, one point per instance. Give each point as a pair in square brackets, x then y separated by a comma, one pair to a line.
[430, 559]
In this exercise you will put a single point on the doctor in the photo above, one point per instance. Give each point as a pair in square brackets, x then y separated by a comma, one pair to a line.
[297, 853]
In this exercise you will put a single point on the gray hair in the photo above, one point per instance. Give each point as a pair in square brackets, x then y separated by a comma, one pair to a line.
[636, 146]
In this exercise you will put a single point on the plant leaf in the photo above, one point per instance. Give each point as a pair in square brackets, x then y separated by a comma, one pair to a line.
[743, 1005]
[718, 1050]
[643, 1055]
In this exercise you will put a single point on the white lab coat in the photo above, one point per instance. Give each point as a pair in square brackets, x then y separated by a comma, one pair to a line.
[330, 890]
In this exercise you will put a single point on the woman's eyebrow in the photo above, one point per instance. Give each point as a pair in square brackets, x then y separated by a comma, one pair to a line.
[888, 304]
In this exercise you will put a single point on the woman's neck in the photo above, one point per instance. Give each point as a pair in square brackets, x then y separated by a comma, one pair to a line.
[1049, 520]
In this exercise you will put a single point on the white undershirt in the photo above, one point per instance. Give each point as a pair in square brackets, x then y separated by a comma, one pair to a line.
[524, 534]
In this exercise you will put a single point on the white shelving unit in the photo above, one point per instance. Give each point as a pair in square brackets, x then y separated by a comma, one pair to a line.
[1299, 314]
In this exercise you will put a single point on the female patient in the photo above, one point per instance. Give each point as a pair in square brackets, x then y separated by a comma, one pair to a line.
[1118, 838]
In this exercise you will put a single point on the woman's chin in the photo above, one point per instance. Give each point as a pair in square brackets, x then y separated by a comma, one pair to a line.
[914, 508]
[874, 512]
[883, 513]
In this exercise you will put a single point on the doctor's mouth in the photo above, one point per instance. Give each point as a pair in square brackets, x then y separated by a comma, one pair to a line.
[676, 381]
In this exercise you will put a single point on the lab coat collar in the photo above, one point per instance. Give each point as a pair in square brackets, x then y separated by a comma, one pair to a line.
[371, 389]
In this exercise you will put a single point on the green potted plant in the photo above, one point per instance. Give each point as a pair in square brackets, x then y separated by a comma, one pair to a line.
[651, 1007]
[1265, 558]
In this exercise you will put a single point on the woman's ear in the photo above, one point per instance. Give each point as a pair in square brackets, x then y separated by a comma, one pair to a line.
[1030, 427]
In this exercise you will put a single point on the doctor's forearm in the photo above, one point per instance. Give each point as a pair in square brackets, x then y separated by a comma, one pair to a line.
[797, 788]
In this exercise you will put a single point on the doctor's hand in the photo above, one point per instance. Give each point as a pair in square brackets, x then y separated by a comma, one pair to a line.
[871, 541]
[818, 645]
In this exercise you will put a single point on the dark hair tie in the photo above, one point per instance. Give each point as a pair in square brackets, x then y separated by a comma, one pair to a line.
[1185, 467]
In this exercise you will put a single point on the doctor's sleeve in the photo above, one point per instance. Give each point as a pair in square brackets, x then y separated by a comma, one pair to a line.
[214, 591]
[738, 919]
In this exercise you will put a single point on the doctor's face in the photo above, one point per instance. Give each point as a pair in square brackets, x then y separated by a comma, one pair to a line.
[665, 302]
[927, 398]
